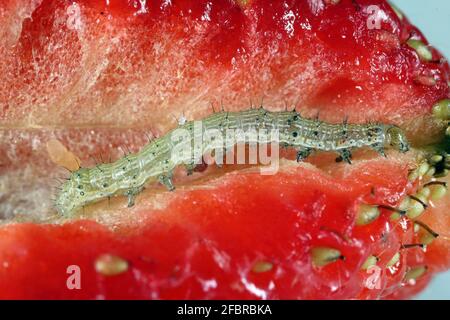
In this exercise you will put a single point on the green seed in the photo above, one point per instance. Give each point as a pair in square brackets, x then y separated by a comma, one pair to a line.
[321, 256]
[436, 159]
[422, 50]
[430, 173]
[416, 228]
[441, 110]
[423, 168]
[415, 210]
[394, 260]
[110, 265]
[367, 214]
[413, 175]
[404, 205]
[426, 238]
[426, 234]
[370, 262]
[262, 266]
[415, 273]
[438, 192]
[424, 192]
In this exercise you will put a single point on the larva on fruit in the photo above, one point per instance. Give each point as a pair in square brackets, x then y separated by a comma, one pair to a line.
[186, 146]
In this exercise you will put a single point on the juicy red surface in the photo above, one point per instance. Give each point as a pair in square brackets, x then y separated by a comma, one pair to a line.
[222, 43]
[182, 253]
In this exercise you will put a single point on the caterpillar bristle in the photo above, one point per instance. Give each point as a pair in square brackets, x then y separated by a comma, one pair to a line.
[212, 107]
[345, 121]
[427, 228]
[412, 245]
[419, 200]
[123, 151]
[93, 158]
[396, 210]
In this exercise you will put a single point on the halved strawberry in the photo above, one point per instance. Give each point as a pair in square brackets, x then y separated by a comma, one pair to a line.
[98, 76]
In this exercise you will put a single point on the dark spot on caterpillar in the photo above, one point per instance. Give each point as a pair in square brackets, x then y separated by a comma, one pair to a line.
[104, 185]
[82, 193]
[295, 134]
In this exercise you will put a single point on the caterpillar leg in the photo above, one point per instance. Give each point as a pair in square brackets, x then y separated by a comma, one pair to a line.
[344, 155]
[190, 168]
[132, 194]
[303, 153]
[379, 148]
[166, 180]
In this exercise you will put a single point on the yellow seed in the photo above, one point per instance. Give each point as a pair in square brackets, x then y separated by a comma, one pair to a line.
[438, 192]
[426, 234]
[394, 260]
[415, 273]
[423, 168]
[367, 214]
[262, 266]
[430, 173]
[441, 110]
[424, 192]
[110, 265]
[422, 50]
[321, 256]
[415, 210]
[447, 132]
[426, 238]
[370, 261]
[413, 175]
[404, 205]
[422, 197]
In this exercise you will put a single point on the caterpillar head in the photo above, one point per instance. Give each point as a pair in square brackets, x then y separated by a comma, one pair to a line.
[73, 193]
[397, 139]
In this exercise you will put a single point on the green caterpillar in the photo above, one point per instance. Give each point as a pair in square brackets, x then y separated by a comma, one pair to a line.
[156, 161]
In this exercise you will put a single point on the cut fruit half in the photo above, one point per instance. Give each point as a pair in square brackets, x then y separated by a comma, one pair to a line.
[82, 81]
